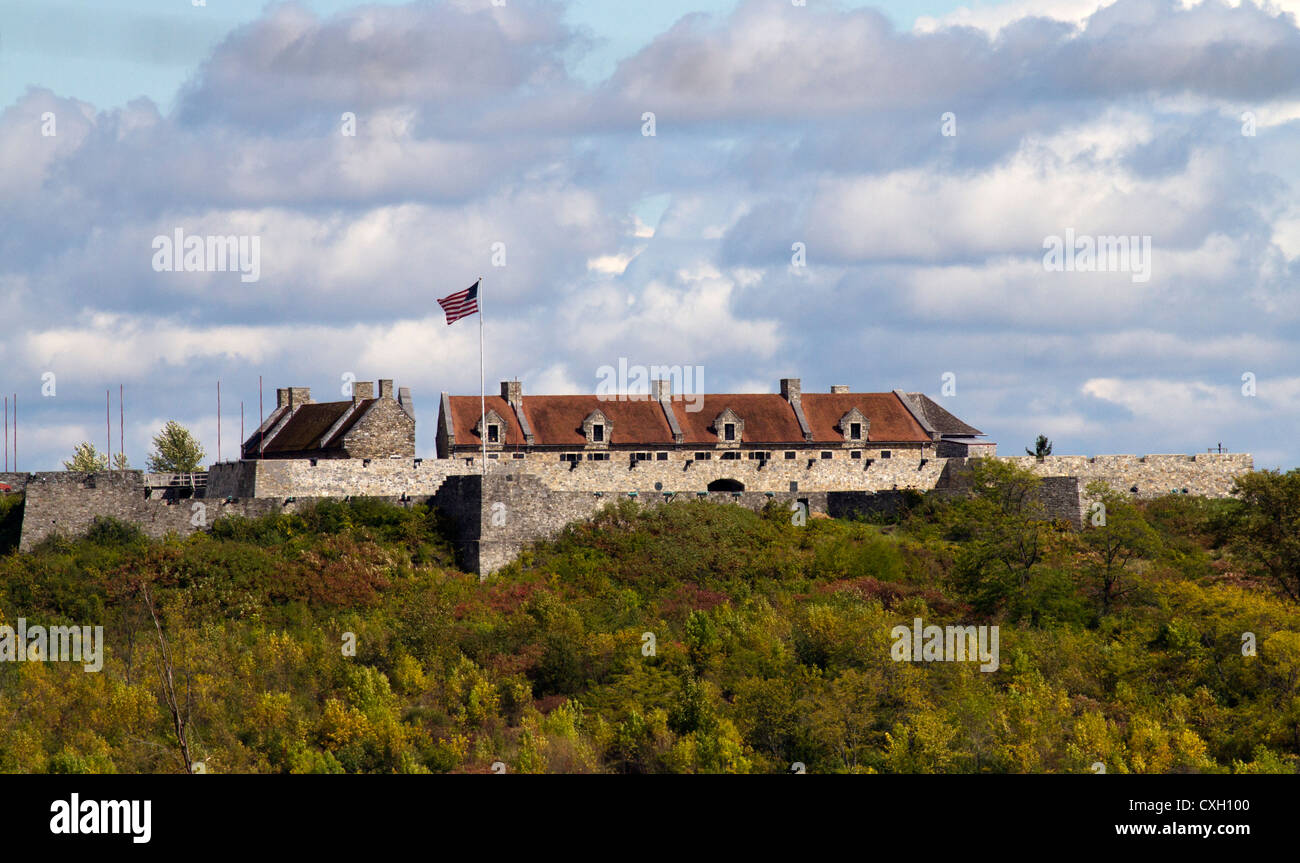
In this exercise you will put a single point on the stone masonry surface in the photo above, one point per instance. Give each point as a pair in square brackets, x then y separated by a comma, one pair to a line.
[523, 500]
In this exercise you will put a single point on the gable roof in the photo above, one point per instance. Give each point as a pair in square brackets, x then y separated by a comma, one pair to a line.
[938, 417]
[557, 420]
[889, 419]
[768, 418]
[307, 425]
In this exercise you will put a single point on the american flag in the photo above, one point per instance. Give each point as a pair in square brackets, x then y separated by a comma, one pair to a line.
[460, 304]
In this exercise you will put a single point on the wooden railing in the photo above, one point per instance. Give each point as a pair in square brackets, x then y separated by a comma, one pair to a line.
[176, 480]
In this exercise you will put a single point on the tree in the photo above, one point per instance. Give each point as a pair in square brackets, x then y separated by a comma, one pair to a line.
[1268, 531]
[175, 450]
[121, 462]
[1114, 533]
[1008, 528]
[86, 459]
[180, 711]
[1042, 447]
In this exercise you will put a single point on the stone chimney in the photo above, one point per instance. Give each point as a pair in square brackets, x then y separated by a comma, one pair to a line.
[362, 390]
[791, 391]
[513, 393]
[662, 391]
[299, 396]
[281, 398]
[385, 388]
[839, 389]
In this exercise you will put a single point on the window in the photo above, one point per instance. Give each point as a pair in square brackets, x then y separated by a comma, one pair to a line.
[729, 431]
[640, 456]
[493, 455]
[517, 455]
[759, 456]
[570, 456]
[597, 456]
[661, 456]
[827, 454]
[598, 432]
[855, 431]
[703, 456]
[857, 453]
[884, 453]
[494, 433]
[789, 454]
[731, 456]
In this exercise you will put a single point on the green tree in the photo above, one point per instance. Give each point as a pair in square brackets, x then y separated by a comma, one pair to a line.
[1042, 447]
[1268, 532]
[1008, 526]
[86, 459]
[1114, 534]
[121, 462]
[175, 450]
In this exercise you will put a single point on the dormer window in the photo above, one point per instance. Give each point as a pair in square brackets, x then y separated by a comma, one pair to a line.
[855, 427]
[493, 431]
[598, 430]
[729, 428]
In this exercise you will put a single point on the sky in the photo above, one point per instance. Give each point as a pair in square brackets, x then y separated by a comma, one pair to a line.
[888, 196]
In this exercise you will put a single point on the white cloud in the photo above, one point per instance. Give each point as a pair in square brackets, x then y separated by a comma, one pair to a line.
[925, 253]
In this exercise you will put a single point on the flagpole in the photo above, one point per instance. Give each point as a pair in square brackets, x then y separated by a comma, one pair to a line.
[482, 381]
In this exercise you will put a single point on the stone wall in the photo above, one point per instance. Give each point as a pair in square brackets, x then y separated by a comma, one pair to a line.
[387, 477]
[502, 514]
[385, 430]
[1209, 474]
[524, 500]
[66, 503]
[1205, 474]
[289, 477]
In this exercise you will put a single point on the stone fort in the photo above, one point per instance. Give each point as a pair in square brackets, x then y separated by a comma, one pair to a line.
[552, 460]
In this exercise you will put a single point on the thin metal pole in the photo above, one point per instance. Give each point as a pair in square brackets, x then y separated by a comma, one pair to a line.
[108, 424]
[121, 421]
[482, 385]
[218, 420]
[241, 429]
[259, 416]
[6, 434]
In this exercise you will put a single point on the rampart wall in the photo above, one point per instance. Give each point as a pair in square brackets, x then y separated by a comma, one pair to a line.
[536, 499]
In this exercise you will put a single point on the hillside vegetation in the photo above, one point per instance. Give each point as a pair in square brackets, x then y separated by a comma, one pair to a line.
[688, 637]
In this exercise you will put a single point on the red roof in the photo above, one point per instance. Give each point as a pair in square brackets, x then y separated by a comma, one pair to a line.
[465, 416]
[768, 418]
[889, 419]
